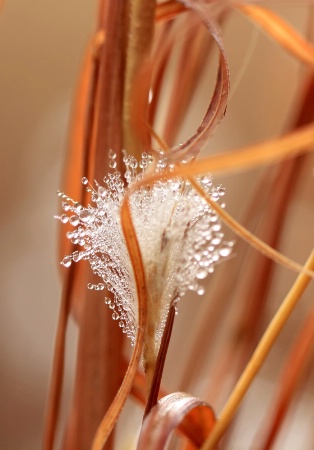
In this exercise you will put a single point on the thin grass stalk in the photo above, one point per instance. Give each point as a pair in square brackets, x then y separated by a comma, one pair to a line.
[161, 358]
[298, 362]
[137, 75]
[54, 400]
[259, 355]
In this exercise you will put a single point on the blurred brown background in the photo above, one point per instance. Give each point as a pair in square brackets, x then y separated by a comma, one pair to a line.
[41, 45]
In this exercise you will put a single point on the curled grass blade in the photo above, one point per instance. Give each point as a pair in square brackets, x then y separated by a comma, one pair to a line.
[218, 104]
[260, 354]
[195, 417]
[112, 414]
[280, 31]
[196, 46]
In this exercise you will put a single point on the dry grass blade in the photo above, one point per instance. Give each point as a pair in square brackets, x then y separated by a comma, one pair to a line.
[293, 372]
[81, 128]
[168, 10]
[281, 32]
[160, 362]
[270, 152]
[76, 165]
[137, 75]
[97, 377]
[195, 416]
[113, 412]
[248, 236]
[197, 45]
[218, 104]
[260, 355]
[58, 366]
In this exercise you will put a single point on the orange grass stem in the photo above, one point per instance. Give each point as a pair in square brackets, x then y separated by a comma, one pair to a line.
[259, 355]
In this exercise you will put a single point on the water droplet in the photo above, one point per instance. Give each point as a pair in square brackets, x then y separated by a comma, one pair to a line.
[115, 315]
[112, 154]
[84, 180]
[76, 256]
[107, 300]
[66, 206]
[90, 286]
[225, 251]
[78, 206]
[67, 261]
[201, 274]
[200, 290]
[206, 180]
[86, 216]
[74, 220]
[64, 218]
[175, 185]
[102, 192]
[112, 164]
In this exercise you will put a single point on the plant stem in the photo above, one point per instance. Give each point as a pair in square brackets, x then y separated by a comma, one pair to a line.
[259, 355]
[159, 366]
[137, 76]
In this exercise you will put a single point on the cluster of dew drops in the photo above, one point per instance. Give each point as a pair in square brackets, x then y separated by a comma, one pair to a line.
[97, 231]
